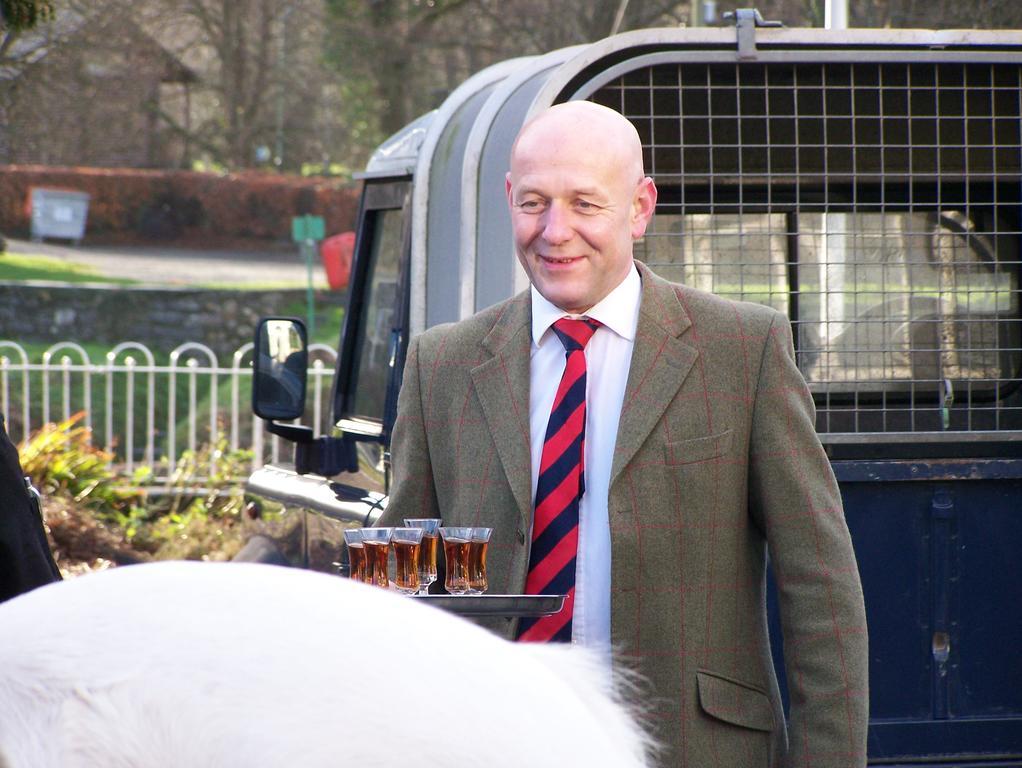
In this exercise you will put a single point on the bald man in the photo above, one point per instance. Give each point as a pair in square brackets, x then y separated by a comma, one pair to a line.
[639, 446]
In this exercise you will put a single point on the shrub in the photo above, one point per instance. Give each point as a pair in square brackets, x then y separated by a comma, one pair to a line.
[199, 514]
[96, 516]
[147, 204]
[61, 459]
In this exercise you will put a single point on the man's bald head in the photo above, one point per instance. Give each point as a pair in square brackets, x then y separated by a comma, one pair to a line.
[589, 126]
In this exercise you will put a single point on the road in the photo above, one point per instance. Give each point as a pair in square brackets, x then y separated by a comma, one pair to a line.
[159, 265]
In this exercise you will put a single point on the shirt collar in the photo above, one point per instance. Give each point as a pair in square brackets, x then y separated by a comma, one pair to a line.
[618, 310]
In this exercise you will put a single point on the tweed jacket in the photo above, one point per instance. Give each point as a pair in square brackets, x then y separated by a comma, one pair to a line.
[716, 463]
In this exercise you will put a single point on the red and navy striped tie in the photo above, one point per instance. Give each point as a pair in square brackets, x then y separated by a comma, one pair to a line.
[559, 490]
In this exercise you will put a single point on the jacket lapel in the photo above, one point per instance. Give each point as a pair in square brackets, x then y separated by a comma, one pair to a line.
[502, 385]
[660, 363]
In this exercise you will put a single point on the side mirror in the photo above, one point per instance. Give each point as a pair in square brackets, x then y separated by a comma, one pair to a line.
[280, 368]
[279, 373]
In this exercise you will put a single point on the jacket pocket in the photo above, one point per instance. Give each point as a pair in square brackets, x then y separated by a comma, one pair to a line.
[697, 449]
[734, 702]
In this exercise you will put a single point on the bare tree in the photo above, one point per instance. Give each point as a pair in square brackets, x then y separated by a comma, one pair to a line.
[400, 58]
[234, 43]
[937, 14]
[263, 85]
[282, 83]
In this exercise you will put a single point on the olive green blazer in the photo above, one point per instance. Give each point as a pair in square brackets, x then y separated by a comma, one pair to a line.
[717, 463]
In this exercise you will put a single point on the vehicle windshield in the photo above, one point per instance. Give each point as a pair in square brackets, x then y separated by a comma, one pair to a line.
[368, 390]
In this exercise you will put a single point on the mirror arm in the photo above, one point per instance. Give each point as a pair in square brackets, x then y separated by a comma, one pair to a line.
[333, 455]
[296, 433]
[326, 456]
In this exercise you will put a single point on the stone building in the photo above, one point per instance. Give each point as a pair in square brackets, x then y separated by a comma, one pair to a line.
[93, 91]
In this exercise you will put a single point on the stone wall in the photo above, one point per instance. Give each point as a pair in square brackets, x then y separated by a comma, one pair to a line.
[160, 318]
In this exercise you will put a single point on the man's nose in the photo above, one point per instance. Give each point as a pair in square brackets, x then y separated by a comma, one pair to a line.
[556, 224]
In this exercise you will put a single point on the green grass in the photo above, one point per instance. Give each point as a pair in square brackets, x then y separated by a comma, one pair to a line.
[329, 318]
[22, 266]
[278, 285]
[19, 266]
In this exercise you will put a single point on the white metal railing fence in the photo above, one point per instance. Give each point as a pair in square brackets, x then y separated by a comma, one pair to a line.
[147, 412]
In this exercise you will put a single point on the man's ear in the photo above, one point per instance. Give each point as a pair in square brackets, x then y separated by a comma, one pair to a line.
[643, 206]
[507, 189]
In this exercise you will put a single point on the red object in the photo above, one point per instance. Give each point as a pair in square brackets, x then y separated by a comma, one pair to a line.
[336, 252]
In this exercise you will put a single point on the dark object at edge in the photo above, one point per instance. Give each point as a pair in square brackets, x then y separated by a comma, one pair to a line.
[25, 558]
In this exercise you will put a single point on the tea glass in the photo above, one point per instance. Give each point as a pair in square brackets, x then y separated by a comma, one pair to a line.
[356, 554]
[377, 552]
[427, 551]
[479, 541]
[406, 543]
[456, 545]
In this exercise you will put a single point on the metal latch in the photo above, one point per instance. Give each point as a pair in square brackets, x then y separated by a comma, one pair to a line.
[35, 498]
[746, 20]
[31, 489]
[941, 648]
[33, 493]
[947, 399]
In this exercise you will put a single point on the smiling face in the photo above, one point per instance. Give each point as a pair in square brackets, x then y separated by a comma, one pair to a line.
[578, 200]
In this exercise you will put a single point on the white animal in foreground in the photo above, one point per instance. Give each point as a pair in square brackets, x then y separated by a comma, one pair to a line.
[201, 664]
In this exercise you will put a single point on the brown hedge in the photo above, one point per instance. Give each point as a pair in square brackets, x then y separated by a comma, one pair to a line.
[128, 204]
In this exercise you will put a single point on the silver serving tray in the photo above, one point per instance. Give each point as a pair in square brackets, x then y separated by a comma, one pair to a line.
[508, 606]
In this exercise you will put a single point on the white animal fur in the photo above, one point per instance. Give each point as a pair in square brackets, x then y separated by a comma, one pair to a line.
[201, 664]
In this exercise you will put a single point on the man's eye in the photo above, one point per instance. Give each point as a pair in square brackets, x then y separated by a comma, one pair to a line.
[585, 205]
[530, 205]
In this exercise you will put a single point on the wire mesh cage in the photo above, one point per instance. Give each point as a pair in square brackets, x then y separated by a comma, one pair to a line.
[876, 203]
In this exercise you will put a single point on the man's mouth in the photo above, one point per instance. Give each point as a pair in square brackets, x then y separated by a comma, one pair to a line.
[562, 260]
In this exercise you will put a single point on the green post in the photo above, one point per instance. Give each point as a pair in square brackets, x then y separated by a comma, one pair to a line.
[309, 247]
[307, 231]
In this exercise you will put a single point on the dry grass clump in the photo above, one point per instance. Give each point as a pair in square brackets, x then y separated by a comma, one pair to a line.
[97, 519]
[81, 542]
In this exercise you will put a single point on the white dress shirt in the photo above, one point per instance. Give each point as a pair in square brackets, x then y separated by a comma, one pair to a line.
[608, 358]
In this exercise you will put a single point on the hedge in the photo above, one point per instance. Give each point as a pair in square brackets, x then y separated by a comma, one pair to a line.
[130, 204]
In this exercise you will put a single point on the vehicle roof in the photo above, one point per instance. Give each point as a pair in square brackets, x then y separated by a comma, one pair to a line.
[459, 152]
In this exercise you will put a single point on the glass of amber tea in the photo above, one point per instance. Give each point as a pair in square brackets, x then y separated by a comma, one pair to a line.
[456, 543]
[376, 542]
[356, 554]
[427, 551]
[407, 545]
[478, 543]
